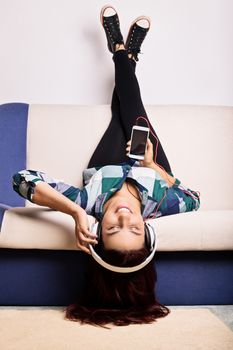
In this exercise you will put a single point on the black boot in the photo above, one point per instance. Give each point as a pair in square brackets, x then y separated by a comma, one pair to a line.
[111, 25]
[135, 37]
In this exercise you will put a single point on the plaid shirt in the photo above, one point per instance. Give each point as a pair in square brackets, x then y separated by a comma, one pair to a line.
[101, 183]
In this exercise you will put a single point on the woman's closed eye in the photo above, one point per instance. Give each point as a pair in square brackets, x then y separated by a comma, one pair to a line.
[115, 229]
[136, 230]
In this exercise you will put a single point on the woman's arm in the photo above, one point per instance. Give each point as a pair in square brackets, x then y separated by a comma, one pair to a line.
[170, 179]
[189, 200]
[180, 197]
[38, 188]
[45, 195]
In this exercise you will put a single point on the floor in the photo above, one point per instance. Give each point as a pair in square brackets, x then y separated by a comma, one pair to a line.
[186, 328]
[224, 312]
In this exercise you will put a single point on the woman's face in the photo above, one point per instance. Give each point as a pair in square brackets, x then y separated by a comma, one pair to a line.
[122, 225]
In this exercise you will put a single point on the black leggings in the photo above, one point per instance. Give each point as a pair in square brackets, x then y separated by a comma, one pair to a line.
[126, 106]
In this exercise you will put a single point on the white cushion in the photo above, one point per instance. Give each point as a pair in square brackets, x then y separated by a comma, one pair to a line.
[44, 228]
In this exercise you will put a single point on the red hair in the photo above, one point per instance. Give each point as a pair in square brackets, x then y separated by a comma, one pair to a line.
[118, 298]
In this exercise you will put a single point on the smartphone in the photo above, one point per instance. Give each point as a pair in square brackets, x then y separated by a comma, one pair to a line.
[139, 136]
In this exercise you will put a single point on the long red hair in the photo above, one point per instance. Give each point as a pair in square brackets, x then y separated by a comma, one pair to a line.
[118, 298]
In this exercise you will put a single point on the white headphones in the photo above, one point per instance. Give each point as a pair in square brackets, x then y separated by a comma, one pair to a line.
[151, 243]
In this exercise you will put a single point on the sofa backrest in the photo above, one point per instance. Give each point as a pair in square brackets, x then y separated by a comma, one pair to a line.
[197, 140]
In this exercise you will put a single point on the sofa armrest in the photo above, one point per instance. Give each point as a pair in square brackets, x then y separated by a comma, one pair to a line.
[3, 208]
[13, 142]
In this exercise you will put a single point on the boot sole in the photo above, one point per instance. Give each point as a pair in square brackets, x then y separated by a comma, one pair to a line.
[102, 12]
[135, 21]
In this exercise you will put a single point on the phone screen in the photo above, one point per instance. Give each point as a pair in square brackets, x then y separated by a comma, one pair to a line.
[138, 143]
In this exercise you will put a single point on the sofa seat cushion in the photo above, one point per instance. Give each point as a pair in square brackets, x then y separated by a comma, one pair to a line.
[43, 228]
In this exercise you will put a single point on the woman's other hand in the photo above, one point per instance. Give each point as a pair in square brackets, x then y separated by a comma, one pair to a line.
[83, 235]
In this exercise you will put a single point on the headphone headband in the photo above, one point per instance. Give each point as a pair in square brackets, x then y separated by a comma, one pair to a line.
[132, 268]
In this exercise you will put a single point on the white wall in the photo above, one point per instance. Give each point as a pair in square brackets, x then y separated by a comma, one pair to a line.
[54, 51]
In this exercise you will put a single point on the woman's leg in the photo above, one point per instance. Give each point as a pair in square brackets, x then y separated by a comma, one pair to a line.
[131, 106]
[112, 146]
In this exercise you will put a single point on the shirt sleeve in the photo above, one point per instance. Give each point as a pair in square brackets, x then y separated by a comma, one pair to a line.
[25, 181]
[88, 173]
[188, 200]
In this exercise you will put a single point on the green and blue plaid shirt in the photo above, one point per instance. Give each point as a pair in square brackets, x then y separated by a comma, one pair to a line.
[101, 183]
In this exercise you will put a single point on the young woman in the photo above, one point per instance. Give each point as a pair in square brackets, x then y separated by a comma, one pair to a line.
[121, 193]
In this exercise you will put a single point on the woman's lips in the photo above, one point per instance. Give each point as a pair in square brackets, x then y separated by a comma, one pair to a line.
[122, 207]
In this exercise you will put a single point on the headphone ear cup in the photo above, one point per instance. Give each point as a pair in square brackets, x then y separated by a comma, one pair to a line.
[99, 231]
[96, 229]
[149, 236]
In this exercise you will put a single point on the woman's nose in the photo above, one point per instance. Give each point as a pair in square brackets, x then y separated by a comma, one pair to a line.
[124, 217]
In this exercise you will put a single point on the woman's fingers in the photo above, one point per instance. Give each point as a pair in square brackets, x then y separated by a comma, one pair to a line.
[82, 243]
[88, 233]
[83, 247]
[83, 237]
[149, 146]
[149, 143]
[128, 148]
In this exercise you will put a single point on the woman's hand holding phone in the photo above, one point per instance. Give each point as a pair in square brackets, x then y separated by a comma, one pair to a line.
[148, 162]
[149, 154]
